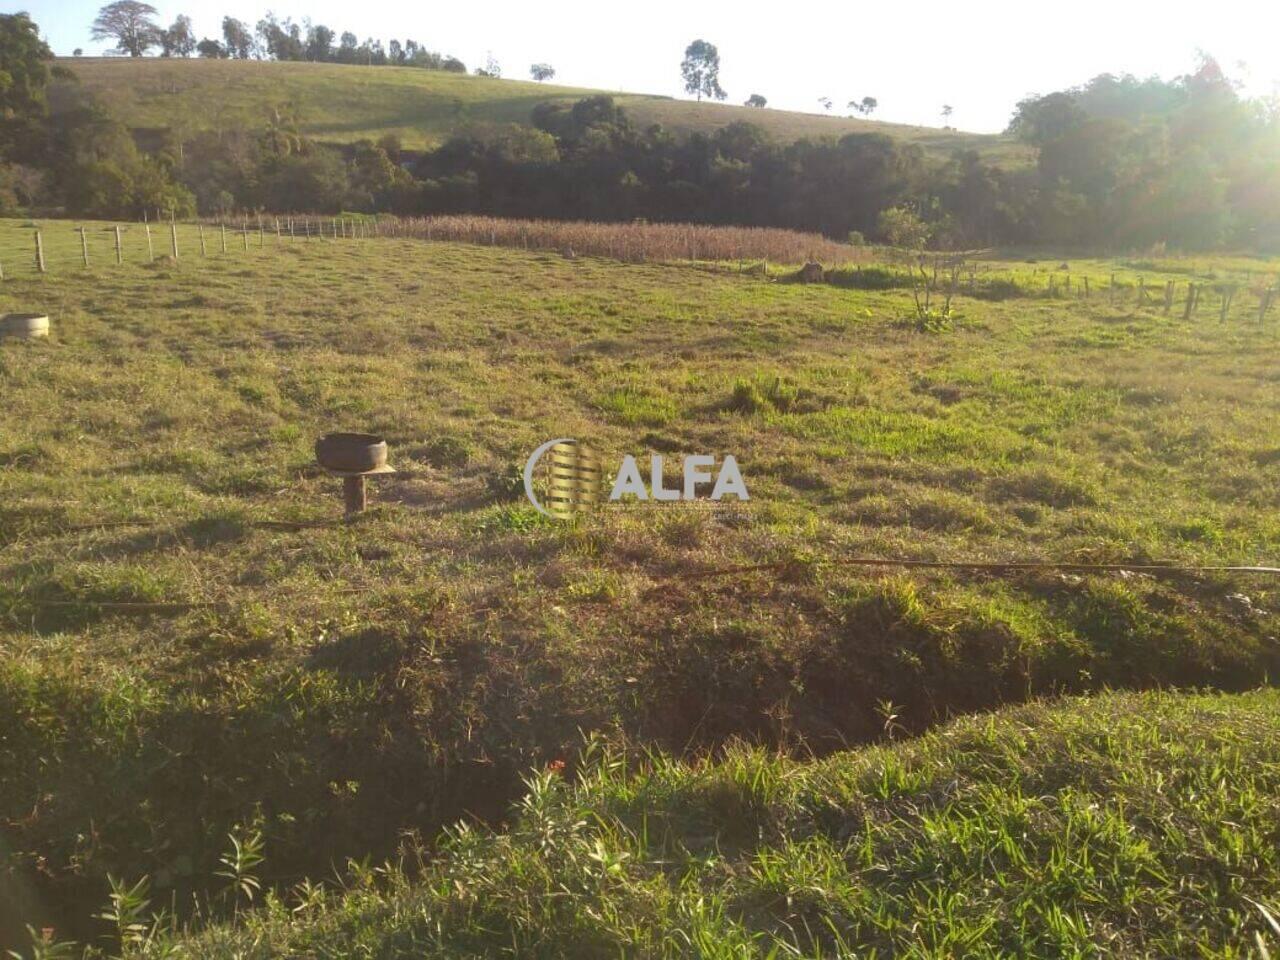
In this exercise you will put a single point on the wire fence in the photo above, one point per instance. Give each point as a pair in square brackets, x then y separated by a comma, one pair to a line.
[1226, 293]
[58, 247]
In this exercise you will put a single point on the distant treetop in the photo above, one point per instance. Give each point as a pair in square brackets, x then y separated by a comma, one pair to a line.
[700, 70]
[130, 24]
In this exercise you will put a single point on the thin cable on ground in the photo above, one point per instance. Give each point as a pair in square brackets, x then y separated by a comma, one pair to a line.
[993, 566]
[1057, 566]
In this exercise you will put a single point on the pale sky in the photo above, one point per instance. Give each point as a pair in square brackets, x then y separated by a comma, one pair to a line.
[980, 58]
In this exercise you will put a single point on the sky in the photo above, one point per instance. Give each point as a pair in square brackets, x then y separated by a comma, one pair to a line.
[981, 58]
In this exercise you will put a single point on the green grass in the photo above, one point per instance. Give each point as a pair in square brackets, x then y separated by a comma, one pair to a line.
[1123, 826]
[339, 684]
[342, 103]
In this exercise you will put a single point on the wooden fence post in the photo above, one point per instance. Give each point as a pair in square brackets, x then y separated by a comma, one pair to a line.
[277, 229]
[1142, 290]
[173, 238]
[84, 247]
[200, 232]
[223, 228]
[151, 252]
[1191, 301]
[39, 252]
[1168, 297]
[244, 234]
[119, 247]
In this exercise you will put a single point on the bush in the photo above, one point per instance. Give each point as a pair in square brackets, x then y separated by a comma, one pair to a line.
[901, 227]
[870, 278]
[999, 290]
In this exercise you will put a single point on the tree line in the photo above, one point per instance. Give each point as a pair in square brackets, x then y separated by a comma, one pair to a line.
[132, 25]
[1120, 162]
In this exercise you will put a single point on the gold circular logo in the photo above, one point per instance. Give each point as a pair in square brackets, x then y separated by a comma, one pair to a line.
[573, 480]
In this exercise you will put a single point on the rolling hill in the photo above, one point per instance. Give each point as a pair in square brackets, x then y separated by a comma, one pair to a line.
[342, 103]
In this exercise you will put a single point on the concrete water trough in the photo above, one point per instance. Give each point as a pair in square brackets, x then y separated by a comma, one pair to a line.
[353, 456]
[24, 325]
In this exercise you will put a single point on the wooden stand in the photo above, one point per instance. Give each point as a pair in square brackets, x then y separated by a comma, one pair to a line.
[354, 494]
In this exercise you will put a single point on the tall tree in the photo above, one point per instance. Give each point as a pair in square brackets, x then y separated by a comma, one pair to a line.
[866, 106]
[238, 37]
[700, 70]
[756, 100]
[129, 23]
[347, 47]
[542, 71]
[280, 40]
[24, 66]
[319, 43]
[179, 40]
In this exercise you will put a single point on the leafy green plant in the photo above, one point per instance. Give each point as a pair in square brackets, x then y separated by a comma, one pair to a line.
[126, 911]
[239, 862]
[930, 321]
[44, 946]
[889, 714]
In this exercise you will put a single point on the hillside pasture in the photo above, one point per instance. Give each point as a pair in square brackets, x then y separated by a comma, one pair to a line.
[341, 103]
[192, 641]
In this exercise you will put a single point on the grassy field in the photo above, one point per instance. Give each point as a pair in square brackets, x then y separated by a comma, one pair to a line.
[332, 685]
[342, 103]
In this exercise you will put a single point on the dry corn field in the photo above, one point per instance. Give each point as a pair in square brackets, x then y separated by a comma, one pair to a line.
[637, 242]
